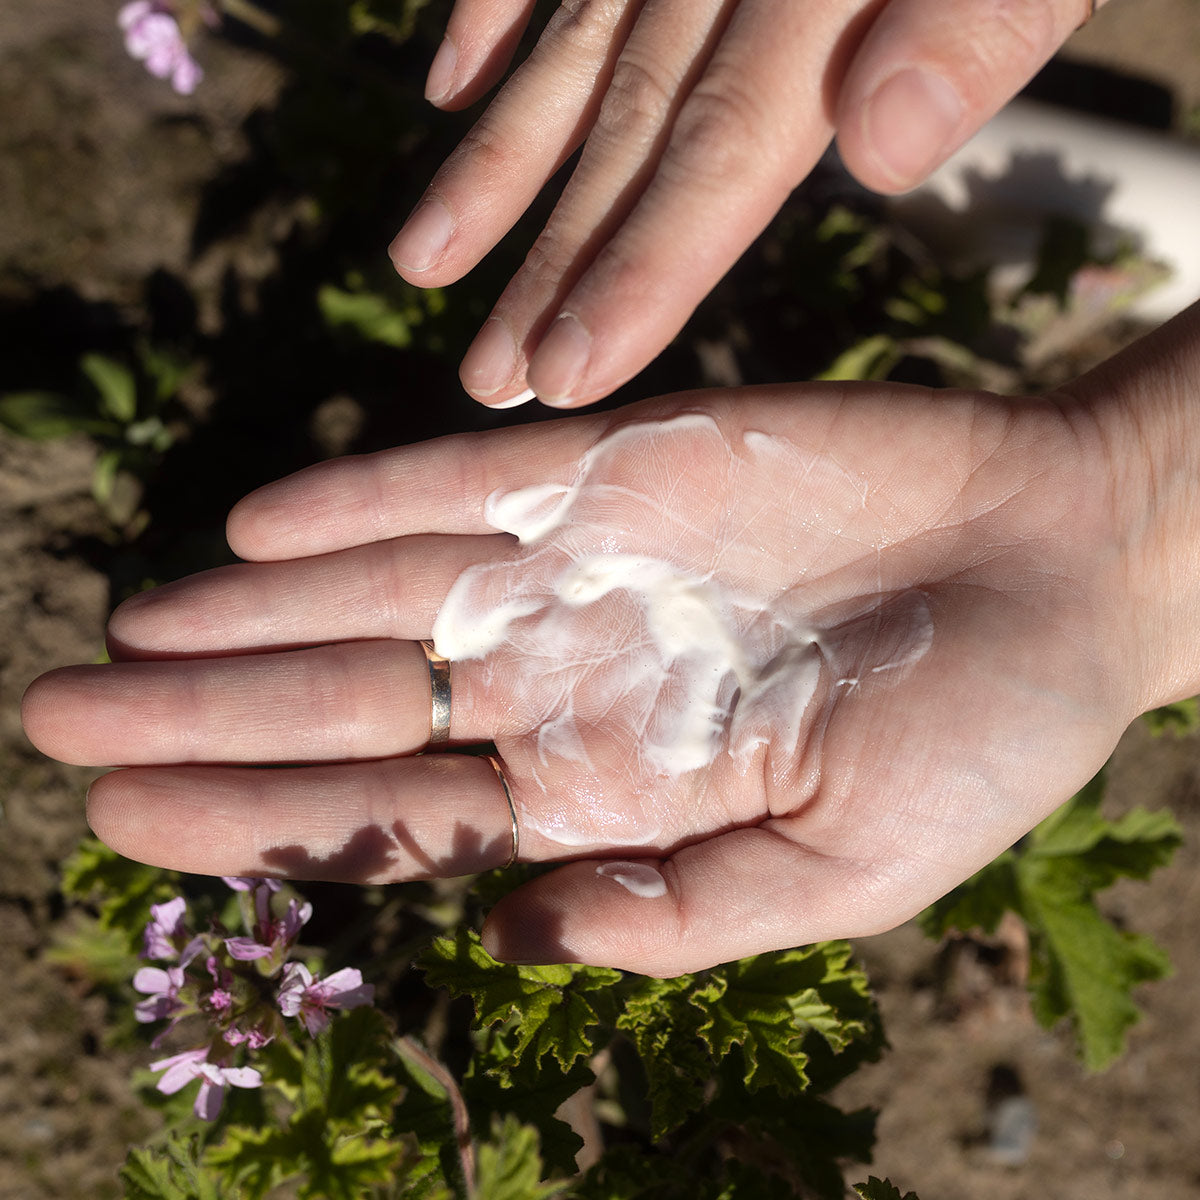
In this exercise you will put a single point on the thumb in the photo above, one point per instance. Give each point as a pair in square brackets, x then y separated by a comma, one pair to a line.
[929, 73]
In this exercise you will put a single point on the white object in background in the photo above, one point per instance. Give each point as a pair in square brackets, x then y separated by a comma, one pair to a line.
[988, 204]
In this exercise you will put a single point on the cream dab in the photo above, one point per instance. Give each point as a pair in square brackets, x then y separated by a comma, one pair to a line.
[648, 623]
[639, 878]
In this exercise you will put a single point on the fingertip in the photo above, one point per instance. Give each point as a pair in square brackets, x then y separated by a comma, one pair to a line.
[422, 241]
[489, 369]
[439, 83]
[559, 365]
[903, 130]
[522, 397]
[51, 708]
[618, 914]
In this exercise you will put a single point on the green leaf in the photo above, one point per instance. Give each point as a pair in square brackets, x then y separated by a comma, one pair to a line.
[1180, 717]
[41, 416]
[116, 385]
[375, 317]
[1064, 250]
[628, 1173]
[337, 1141]
[257, 1159]
[871, 358]
[1082, 967]
[549, 1006]
[881, 1189]
[104, 476]
[171, 1171]
[92, 951]
[768, 1004]
[814, 1136]
[664, 1025]
[533, 1091]
[122, 889]
[979, 903]
[509, 1167]
[341, 1076]
[426, 1115]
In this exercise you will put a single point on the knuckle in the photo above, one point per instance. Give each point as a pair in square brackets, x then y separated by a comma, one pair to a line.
[637, 104]
[549, 259]
[1023, 32]
[584, 19]
[483, 148]
[717, 135]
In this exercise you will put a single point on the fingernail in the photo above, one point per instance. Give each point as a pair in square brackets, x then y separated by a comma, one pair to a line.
[440, 80]
[560, 361]
[517, 400]
[424, 237]
[490, 361]
[910, 123]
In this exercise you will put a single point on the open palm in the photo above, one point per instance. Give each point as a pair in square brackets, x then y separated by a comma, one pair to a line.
[766, 666]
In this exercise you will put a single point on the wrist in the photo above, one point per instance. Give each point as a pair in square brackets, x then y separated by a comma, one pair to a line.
[1145, 403]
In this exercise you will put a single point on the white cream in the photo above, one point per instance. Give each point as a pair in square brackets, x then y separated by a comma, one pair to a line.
[639, 878]
[648, 624]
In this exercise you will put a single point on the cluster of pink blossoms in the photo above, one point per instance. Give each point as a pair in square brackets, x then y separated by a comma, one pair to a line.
[153, 37]
[241, 987]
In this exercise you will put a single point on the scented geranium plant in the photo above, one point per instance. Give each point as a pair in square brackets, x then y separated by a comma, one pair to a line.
[228, 996]
[493, 1081]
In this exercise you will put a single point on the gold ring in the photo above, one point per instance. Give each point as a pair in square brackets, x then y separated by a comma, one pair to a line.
[439, 693]
[512, 812]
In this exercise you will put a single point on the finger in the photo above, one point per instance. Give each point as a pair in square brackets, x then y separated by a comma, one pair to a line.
[330, 703]
[387, 589]
[431, 487]
[930, 72]
[664, 54]
[432, 816]
[481, 37]
[752, 127]
[524, 136]
[745, 892]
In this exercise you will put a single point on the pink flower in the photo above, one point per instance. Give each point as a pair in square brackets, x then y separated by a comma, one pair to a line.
[308, 998]
[165, 931]
[272, 935]
[180, 1069]
[162, 988]
[250, 883]
[254, 1038]
[153, 37]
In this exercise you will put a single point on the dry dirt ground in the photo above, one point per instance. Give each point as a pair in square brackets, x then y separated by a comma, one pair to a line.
[99, 171]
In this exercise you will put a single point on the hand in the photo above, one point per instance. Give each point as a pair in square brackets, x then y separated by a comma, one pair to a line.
[936, 607]
[697, 118]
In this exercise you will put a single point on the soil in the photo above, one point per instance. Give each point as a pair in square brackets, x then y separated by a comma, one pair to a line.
[102, 177]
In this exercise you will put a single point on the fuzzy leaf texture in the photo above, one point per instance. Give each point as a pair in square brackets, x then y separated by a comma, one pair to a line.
[881, 1189]
[664, 1026]
[336, 1141]
[627, 1173]
[768, 1004]
[813, 1137]
[1082, 967]
[550, 1006]
[171, 1171]
[425, 1117]
[122, 889]
[531, 1091]
[1180, 717]
[509, 1167]
[779, 1010]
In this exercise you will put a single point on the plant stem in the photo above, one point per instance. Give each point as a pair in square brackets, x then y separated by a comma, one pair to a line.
[419, 1057]
[250, 14]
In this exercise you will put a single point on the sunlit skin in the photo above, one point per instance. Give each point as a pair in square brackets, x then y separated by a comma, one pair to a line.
[1055, 541]
[697, 119]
